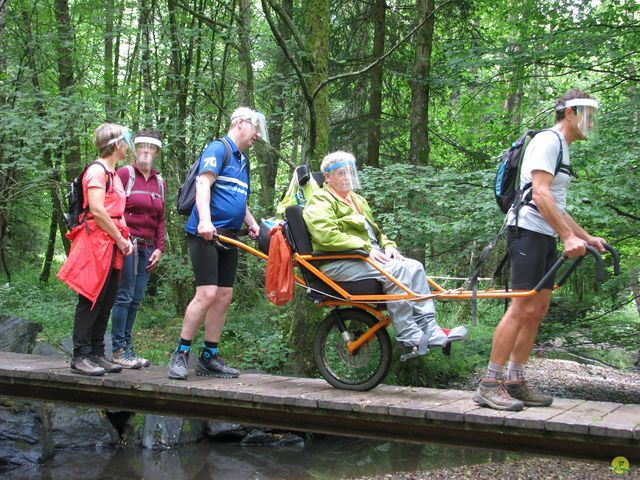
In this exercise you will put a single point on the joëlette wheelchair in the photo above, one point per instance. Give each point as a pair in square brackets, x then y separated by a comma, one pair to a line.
[352, 348]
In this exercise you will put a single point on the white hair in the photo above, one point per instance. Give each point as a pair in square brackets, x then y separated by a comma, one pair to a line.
[335, 157]
[242, 113]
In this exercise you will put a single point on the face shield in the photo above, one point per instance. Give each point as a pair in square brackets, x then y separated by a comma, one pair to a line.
[343, 176]
[147, 150]
[126, 137]
[586, 109]
[258, 121]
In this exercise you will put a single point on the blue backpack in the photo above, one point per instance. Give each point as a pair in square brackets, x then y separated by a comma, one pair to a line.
[506, 187]
[187, 191]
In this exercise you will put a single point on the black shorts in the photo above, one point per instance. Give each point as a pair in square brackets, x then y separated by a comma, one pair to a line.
[532, 255]
[212, 265]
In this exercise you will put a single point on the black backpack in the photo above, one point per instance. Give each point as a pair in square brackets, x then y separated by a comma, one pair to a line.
[187, 191]
[506, 186]
[75, 197]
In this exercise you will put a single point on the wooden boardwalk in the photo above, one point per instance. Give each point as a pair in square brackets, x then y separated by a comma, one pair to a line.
[569, 427]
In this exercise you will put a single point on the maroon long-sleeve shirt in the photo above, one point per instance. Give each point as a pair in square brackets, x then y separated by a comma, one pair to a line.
[144, 212]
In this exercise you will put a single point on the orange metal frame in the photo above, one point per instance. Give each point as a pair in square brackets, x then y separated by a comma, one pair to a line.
[363, 301]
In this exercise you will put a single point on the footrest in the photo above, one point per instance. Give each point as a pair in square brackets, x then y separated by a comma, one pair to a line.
[413, 354]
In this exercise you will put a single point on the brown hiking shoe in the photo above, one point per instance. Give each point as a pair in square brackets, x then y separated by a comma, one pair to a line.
[122, 357]
[530, 397]
[86, 366]
[102, 361]
[491, 393]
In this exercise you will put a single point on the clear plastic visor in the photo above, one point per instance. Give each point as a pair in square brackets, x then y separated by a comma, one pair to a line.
[147, 152]
[127, 138]
[343, 176]
[585, 109]
[259, 121]
[586, 119]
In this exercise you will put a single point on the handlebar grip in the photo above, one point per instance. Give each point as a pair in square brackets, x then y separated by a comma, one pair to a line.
[616, 258]
[600, 274]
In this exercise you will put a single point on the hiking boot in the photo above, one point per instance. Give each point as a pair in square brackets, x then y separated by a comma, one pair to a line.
[102, 361]
[142, 361]
[86, 366]
[122, 357]
[214, 366]
[520, 390]
[179, 365]
[491, 393]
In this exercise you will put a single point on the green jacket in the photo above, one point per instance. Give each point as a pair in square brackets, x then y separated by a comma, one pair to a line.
[334, 226]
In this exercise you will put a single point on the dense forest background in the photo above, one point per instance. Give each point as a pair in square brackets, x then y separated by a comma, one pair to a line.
[425, 93]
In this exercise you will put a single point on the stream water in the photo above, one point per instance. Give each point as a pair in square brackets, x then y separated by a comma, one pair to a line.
[321, 457]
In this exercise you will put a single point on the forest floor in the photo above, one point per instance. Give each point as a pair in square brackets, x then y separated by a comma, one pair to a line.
[561, 378]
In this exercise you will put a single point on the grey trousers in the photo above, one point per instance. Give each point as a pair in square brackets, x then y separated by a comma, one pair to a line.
[411, 320]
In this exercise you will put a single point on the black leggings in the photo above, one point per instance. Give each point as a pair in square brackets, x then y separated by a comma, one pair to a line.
[89, 326]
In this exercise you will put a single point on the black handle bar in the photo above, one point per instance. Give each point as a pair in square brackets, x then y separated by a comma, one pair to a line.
[616, 258]
[600, 274]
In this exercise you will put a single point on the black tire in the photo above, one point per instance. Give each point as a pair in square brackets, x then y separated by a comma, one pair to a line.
[366, 367]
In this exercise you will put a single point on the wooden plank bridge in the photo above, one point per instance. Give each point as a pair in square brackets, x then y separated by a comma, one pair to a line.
[569, 427]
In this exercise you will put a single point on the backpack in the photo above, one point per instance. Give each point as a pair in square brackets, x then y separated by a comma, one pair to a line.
[506, 186]
[75, 197]
[279, 276]
[128, 189]
[187, 191]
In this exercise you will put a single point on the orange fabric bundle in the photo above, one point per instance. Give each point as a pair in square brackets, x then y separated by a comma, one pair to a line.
[279, 281]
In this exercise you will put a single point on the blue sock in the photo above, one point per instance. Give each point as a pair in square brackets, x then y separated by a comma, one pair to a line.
[184, 345]
[209, 349]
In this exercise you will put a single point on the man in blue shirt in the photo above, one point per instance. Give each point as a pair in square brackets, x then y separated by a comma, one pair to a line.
[222, 189]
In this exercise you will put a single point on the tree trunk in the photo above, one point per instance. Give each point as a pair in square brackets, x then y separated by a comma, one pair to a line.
[45, 270]
[268, 167]
[3, 178]
[109, 87]
[419, 150]
[375, 98]
[245, 84]
[635, 288]
[178, 85]
[145, 49]
[316, 20]
[64, 48]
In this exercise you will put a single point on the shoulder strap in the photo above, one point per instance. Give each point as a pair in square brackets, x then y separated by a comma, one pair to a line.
[559, 160]
[227, 153]
[160, 185]
[130, 181]
[106, 172]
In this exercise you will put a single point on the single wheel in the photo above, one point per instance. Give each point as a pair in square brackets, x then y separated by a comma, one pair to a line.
[364, 368]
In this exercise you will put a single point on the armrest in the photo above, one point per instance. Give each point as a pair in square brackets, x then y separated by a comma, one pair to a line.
[345, 252]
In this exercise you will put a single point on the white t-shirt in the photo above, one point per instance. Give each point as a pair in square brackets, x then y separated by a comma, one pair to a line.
[542, 154]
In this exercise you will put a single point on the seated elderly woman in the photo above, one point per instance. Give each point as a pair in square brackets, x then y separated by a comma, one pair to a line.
[338, 219]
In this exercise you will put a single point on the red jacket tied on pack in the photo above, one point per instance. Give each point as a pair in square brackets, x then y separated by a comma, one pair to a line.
[89, 262]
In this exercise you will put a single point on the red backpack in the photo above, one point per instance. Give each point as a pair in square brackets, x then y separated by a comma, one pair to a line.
[279, 281]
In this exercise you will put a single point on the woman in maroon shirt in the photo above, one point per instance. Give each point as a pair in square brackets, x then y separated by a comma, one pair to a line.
[144, 214]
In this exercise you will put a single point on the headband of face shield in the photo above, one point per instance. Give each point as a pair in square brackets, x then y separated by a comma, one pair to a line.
[147, 149]
[344, 175]
[586, 109]
[259, 122]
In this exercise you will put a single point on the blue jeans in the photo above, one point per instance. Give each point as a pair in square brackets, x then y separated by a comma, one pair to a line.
[133, 282]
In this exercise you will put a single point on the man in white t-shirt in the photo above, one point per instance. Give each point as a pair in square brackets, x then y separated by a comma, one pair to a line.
[534, 226]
